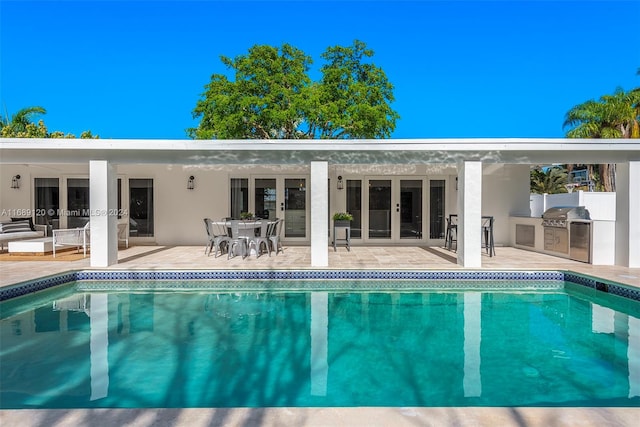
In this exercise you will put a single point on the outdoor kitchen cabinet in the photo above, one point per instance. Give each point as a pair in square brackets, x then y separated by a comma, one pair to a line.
[580, 244]
[556, 240]
[533, 236]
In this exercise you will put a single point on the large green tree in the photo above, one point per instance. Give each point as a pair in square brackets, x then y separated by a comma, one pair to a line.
[272, 96]
[22, 125]
[612, 116]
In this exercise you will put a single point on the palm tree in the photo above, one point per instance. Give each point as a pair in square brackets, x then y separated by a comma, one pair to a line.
[550, 181]
[612, 116]
[20, 124]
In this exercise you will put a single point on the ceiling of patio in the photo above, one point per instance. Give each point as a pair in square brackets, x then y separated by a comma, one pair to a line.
[391, 151]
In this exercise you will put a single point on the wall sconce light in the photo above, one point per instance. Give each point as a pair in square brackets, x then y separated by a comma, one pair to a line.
[191, 182]
[340, 183]
[15, 182]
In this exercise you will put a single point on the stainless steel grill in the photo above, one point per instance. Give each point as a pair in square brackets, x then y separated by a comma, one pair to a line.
[560, 216]
[556, 226]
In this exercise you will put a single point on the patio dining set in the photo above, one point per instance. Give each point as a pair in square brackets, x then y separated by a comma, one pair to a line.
[243, 237]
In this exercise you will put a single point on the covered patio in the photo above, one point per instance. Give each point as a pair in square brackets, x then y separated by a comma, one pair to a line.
[480, 176]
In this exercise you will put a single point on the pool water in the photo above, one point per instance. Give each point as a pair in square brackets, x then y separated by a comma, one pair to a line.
[211, 348]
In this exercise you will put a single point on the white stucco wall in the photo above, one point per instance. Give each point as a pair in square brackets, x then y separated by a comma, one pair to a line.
[179, 212]
[505, 193]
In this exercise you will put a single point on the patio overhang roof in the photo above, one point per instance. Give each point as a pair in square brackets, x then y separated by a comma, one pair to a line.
[296, 152]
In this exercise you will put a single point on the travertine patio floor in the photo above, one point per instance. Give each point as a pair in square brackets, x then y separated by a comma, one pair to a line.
[299, 257]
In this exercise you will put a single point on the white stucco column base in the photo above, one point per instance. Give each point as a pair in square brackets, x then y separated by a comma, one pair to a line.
[469, 214]
[103, 205]
[627, 214]
[319, 214]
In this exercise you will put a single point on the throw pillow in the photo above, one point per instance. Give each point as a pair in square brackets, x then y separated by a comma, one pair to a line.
[16, 227]
[33, 228]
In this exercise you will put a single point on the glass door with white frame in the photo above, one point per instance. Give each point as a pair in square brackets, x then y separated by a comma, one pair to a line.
[395, 209]
[272, 198]
[77, 202]
[265, 198]
[380, 202]
[141, 208]
[295, 208]
[410, 209]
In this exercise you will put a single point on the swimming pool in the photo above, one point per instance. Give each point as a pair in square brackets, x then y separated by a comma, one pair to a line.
[270, 339]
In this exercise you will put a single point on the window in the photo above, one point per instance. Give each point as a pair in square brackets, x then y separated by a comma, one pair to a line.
[47, 202]
[141, 213]
[436, 209]
[265, 198]
[354, 206]
[239, 196]
[77, 202]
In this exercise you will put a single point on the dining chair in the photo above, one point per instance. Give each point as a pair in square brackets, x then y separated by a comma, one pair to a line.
[221, 241]
[207, 227]
[262, 238]
[274, 236]
[238, 240]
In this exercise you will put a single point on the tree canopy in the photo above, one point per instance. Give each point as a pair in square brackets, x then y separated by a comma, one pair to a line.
[612, 116]
[272, 96]
[550, 181]
[21, 125]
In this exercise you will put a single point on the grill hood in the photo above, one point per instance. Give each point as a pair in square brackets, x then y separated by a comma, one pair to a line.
[566, 213]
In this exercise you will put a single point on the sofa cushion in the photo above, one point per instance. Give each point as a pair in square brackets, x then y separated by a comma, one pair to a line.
[9, 237]
[33, 228]
[15, 226]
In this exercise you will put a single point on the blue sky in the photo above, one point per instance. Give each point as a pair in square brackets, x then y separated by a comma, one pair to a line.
[135, 69]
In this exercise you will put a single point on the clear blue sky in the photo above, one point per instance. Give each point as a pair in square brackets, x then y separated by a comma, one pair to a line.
[135, 69]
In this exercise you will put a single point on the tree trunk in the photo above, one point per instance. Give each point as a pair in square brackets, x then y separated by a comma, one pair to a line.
[608, 177]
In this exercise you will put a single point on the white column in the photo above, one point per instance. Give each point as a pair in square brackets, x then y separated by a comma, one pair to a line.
[99, 345]
[319, 214]
[469, 214]
[627, 214]
[319, 342]
[472, 380]
[103, 204]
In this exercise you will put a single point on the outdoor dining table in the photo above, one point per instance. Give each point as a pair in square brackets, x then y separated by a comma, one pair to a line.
[246, 229]
[487, 232]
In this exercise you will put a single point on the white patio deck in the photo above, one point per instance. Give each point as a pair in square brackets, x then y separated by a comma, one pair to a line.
[298, 257]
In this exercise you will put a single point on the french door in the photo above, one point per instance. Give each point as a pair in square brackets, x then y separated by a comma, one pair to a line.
[274, 197]
[394, 209]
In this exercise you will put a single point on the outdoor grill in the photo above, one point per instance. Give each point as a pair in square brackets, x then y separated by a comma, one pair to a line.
[557, 222]
[560, 216]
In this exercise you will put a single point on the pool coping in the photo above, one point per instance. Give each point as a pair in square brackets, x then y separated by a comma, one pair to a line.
[446, 276]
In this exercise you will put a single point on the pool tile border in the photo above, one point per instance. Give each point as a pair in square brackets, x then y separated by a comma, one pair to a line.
[25, 288]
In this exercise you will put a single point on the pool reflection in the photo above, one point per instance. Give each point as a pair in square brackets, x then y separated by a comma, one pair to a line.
[227, 349]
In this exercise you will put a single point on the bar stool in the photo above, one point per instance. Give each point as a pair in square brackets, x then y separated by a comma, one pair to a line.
[487, 233]
[452, 231]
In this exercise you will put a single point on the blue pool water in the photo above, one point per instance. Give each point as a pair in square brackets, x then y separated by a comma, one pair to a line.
[74, 347]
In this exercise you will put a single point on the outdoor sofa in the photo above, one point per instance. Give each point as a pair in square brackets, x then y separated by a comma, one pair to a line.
[20, 229]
